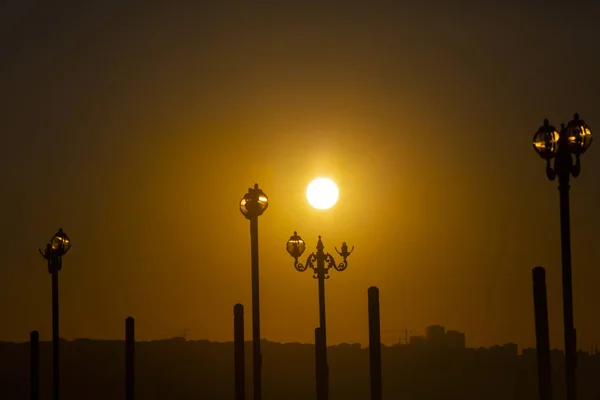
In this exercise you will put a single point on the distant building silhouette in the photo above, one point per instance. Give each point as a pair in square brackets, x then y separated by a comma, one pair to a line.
[436, 336]
[456, 340]
[508, 349]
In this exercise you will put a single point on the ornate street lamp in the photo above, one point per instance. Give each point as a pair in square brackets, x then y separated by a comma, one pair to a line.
[320, 263]
[59, 246]
[253, 205]
[572, 141]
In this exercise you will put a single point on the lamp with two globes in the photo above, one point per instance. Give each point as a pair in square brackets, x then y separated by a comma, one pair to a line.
[565, 147]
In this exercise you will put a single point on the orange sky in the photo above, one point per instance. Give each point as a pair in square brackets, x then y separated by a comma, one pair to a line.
[138, 131]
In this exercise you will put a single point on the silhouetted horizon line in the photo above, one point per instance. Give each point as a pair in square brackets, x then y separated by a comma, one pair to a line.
[593, 351]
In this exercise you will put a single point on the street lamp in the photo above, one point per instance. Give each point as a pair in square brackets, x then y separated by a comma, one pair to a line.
[572, 140]
[59, 246]
[324, 262]
[252, 205]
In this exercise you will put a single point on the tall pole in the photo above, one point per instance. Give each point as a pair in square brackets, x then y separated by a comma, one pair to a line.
[130, 358]
[238, 350]
[55, 333]
[34, 365]
[542, 336]
[321, 280]
[567, 286]
[324, 370]
[257, 357]
[375, 344]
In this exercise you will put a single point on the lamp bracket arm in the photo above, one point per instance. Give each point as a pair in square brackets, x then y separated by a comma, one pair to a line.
[311, 260]
[299, 266]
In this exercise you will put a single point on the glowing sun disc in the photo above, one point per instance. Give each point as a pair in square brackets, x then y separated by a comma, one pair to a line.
[322, 193]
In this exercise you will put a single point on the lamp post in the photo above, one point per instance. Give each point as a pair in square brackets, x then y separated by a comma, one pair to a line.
[59, 245]
[320, 263]
[572, 140]
[253, 205]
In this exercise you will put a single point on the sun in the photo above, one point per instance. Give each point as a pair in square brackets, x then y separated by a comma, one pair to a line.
[322, 193]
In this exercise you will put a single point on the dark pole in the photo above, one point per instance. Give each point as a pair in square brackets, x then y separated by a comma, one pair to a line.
[321, 280]
[542, 335]
[569, 329]
[324, 370]
[34, 365]
[319, 365]
[375, 344]
[238, 350]
[257, 357]
[55, 336]
[130, 358]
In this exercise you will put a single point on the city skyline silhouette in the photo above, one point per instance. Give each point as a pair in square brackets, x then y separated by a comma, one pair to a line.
[94, 369]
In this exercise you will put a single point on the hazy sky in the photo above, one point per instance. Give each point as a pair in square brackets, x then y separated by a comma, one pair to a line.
[138, 128]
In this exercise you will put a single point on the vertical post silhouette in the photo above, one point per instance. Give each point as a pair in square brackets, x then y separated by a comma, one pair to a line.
[253, 204]
[321, 272]
[238, 350]
[256, 353]
[565, 233]
[130, 358]
[542, 335]
[34, 365]
[375, 344]
[55, 337]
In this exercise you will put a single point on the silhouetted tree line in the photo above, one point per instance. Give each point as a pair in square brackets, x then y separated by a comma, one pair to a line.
[179, 369]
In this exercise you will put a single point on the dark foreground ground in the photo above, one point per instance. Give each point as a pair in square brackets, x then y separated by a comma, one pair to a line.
[178, 369]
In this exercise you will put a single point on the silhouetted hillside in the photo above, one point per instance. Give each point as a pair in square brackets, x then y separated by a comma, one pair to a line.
[180, 369]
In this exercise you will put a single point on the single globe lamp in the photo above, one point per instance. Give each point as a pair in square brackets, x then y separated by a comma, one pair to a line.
[579, 135]
[254, 203]
[545, 141]
[60, 242]
[295, 246]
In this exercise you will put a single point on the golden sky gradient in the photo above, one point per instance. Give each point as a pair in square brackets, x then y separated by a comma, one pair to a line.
[139, 130]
